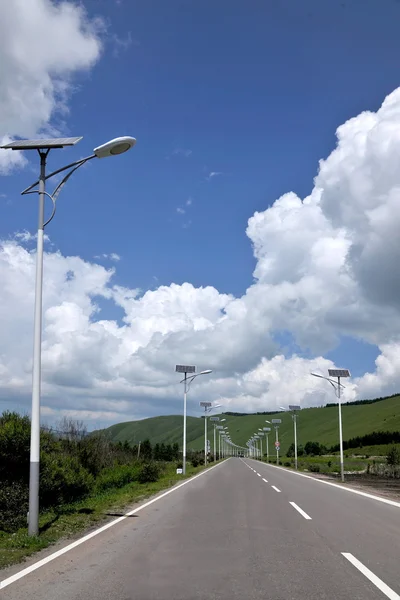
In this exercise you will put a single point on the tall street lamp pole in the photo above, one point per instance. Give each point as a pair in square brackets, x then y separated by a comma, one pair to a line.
[294, 408]
[337, 373]
[276, 423]
[43, 147]
[187, 369]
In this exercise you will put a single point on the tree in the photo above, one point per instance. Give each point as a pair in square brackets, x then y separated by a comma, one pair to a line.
[175, 449]
[290, 452]
[146, 450]
[393, 457]
[157, 452]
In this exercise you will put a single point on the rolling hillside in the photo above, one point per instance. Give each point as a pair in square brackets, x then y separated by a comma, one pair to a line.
[314, 424]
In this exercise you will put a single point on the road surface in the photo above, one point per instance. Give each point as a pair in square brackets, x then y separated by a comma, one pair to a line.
[241, 531]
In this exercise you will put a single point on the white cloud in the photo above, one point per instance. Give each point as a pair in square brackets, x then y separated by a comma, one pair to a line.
[213, 174]
[326, 266]
[114, 257]
[42, 44]
[189, 201]
[185, 152]
[180, 210]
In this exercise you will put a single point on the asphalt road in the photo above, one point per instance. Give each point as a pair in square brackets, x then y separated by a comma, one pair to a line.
[231, 535]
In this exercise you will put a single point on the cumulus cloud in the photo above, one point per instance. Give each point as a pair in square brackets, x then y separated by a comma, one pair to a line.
[42, 44]
[325, 267]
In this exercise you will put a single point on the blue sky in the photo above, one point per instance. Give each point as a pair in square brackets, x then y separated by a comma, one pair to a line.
[249, 91]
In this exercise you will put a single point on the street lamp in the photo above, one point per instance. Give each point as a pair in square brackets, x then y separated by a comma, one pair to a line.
[208, 407]
[261, 434]
[216, 420]
[43, 147]
[337, 373]
[187, 369]
[276, 423]
[267, 432]
[293, 408]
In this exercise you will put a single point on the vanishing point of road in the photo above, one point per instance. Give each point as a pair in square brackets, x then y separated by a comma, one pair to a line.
[242, 530]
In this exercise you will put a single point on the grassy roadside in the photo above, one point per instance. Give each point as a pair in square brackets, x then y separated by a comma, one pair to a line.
[326, 464]
[75, 518]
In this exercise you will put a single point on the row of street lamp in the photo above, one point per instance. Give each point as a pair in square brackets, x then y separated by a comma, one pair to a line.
[113, 148]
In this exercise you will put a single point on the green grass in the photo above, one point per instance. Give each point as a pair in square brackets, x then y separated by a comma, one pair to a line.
[75, 518]
[314, 424]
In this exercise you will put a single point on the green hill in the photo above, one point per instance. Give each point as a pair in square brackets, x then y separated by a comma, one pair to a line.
[314, 424]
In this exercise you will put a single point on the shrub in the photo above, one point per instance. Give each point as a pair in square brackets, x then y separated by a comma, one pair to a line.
[195, 462]
[13, 506]
[117, 477]
[287, 463]
[62, 480]
[329, 463]
[149, 472]
[393, 457]
[314, 468]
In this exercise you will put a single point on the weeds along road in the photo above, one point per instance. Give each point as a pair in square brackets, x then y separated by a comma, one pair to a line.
[242, 530]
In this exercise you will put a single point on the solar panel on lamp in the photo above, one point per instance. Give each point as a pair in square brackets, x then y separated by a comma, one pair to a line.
[185, 369]
[39, 144]
[339, 373]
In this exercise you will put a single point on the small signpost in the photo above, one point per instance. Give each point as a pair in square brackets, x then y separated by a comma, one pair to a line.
[277, 445]
[206, 404]
[179, 471]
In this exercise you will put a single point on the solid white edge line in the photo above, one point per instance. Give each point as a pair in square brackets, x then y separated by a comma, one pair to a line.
[266, 481]
[385, 589]
[51, 557]
[337, 485]
[275, 488]
[301, 511]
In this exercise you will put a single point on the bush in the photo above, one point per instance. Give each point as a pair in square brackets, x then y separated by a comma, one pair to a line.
[314, 468]
[62, 480]
[117, 477]
[13, 506]
[195, 462]
[287, 463]
[393, 457]
[149, 472]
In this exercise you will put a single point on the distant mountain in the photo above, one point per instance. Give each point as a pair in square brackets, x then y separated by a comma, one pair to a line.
[314, 424]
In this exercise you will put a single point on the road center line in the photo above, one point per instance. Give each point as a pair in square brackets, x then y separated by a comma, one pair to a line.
[385, 589]
[87, 537]
[266, 481]
[301, 511]
[259, 474]
[275, 488]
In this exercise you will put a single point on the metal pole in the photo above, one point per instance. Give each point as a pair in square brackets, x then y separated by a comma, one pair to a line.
[295, 440]
[277, 449]
[215, 449]
[340, 434]
[205, 436]
[184, 425]
[138, 452]
[267, 448]
[33, 519]
[261, 447]
[219, 446]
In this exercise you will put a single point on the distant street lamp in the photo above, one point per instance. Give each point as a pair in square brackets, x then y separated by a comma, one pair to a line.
[337, 373]
[276, 423]
[267, 432]
[43, 147]
[216, 420]
[208, 407]
[187, 369]
[294, 409]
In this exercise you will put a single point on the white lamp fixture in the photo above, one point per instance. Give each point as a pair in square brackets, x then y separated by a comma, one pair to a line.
[114, 147]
